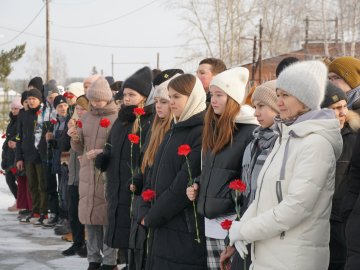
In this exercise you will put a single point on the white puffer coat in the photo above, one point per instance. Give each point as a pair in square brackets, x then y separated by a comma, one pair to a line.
[299, 172]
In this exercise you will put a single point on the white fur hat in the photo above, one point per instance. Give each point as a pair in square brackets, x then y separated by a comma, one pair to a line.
[232, 82]
[76, 88]
[306, 81]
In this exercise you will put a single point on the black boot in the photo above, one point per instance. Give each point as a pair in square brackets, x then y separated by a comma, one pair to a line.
[94, 266]
[82, 251]
[71, 251]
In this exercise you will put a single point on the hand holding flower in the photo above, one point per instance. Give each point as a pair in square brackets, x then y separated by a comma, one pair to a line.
[192, 192]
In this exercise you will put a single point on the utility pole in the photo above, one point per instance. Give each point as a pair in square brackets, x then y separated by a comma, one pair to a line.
[158, 60]
[48, 65]
[112, 65]
[260, 50]
[306, 31]
[254, 60]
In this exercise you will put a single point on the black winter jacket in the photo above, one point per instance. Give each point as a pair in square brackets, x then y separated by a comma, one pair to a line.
[118, 195]
[8, 154]
[218, 171]
[342, 172]
[25, 140]
[171, 217]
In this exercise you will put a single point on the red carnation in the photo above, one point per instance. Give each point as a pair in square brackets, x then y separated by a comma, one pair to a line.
[104, 122]
[53, 121]
[3, 136]
[184, 150]
[79, 123]
[13, 170]
[226, 224]
[238, 185]
[38, 112]
[133, 138]
[139, 111]
[148, 195]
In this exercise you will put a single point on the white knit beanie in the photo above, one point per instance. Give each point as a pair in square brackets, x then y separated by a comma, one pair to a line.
[232, 82]
[306, 81]
[76, 88]
[161, 90]
[16, 103]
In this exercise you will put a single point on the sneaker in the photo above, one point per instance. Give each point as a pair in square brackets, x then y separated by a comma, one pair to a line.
[61, 230]
[40, 221]
[71, 251]
[23, 214]
[51, 222]
[82, 252]
[31, 217]
[108, 267]
[13, 208]
[94, 266]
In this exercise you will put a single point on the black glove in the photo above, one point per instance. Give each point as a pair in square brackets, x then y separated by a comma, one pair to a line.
[102, 161]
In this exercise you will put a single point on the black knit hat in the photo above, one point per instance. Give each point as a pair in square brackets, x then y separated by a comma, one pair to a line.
[37, 83]
[333, 94]
[24, 96]
[140, 81]
[165, 75]
[116, 86]
[110, 79]
[35, 93]
[59, 100]
[285, 63]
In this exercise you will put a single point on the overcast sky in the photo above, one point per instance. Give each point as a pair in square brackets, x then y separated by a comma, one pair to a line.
[152, 24]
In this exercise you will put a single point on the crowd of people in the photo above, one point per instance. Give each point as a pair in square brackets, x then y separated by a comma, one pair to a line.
[170, 170]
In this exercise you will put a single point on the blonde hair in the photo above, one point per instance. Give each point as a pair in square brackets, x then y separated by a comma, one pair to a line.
[158, 129]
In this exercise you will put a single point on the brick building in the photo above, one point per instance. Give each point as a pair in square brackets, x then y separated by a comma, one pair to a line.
[308, 52]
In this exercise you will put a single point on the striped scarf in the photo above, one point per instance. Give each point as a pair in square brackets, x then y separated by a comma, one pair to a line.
[254, 158]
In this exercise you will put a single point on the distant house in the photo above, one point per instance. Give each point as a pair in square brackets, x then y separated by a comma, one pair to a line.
[308, 52]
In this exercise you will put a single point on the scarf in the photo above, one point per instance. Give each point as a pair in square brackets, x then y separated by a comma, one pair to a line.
[254, 158]
[353, 95]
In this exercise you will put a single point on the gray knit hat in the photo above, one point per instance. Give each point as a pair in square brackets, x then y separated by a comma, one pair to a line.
[99, 90]
[306, 81]
[266, 93]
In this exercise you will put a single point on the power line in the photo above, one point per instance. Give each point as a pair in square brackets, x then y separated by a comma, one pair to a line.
[101, 45]
[108, 21]
[21, 32]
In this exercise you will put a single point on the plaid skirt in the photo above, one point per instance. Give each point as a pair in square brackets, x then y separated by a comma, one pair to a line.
[214, 248]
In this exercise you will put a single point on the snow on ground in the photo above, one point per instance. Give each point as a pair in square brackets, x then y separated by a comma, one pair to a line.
[27, 247]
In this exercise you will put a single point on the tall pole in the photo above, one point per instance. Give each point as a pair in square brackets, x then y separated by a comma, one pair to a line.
[158, 60]
[260, 50]
[254, 60]
[48, 65]
[112, 65]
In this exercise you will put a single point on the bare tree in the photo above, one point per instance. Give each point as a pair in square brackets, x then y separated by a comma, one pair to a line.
[37, 65]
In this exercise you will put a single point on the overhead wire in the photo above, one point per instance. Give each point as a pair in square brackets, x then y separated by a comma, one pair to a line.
[108, 21]
[102, 45]
[27, 26]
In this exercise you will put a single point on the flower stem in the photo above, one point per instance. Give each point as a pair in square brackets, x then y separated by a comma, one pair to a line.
[196, 224]
[132, 179]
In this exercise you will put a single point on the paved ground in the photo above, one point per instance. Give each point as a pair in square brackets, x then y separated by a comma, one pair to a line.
[26, 247]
